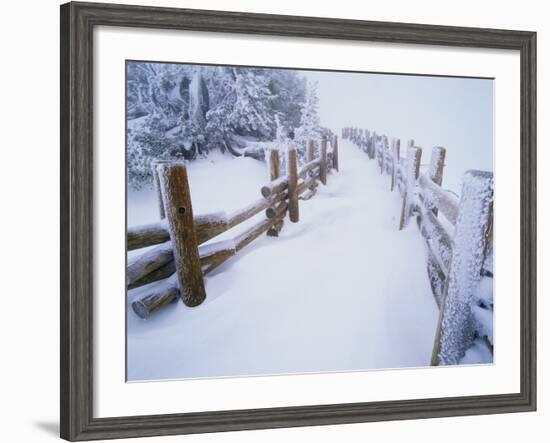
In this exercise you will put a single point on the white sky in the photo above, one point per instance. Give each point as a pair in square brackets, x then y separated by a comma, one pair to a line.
[456, 113]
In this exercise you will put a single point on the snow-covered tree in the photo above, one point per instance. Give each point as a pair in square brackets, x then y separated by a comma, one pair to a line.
[193, 121]
[178, 111]
[309, 122]
[289, 92]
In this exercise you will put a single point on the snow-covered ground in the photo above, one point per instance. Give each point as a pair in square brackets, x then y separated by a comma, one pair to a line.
[343, 289]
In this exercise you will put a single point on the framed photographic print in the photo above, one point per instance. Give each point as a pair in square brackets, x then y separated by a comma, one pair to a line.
[273, 221]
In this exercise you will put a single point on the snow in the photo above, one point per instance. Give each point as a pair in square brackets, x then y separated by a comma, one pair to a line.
[436, 161]
[484, 292]
[341, 290]
[469, 310]
[483, 322]
[478, 353]
[456, 113]
[212, 248]
[219, 183]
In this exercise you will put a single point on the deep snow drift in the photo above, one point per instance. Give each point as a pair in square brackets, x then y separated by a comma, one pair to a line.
[343, 289]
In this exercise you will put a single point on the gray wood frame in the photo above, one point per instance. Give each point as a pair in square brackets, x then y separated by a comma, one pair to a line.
[77, 24]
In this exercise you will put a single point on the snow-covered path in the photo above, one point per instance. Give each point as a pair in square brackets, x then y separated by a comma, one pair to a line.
[342, 289]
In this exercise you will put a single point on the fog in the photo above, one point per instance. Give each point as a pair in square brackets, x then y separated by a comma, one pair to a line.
[456, 113]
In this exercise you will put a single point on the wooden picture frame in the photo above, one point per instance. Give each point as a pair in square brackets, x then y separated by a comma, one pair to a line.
[77, 23]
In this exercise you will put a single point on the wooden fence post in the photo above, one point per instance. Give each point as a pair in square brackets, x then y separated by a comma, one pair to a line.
[275, 173]
[311, 156]
[324, 166]
[293, 209]
[310, 151]
[382, 154]
[396, 156]
[455, 329]
[274, 165]
[179, 214]
[156, 184]
[413, 170]
[335, 154]
[437, 162]
[386, 155]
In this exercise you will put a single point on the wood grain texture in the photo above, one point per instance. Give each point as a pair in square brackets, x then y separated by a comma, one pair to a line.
[207, 226]
[209, 255]
[274, 164]
[183, 237]
[293, 201]
[275, 173]
[335, 160]
[76, 220]
[324, 166]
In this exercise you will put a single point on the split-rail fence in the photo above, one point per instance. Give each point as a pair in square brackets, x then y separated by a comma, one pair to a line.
[458, 233]
[182, 254]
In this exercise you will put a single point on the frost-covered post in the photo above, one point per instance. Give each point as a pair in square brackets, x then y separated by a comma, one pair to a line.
[324, 165]
[381, 159]
[181, 226]
[414, 155]
[372, 146]
[395, 163]
[335, 154]
[293, 210]
[311, 157]
[274, 174]
[156, 183]
[455, 331]
[365, 142]
[437, 162]
[387, 155]
[310, 150]
[274, 165]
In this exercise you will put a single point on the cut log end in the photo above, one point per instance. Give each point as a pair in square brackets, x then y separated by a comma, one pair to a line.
[266, 191]
[145, 306]
[310, 193]
[140, 309]
[274, 230]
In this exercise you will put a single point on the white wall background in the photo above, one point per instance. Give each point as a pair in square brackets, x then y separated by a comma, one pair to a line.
[29, 104]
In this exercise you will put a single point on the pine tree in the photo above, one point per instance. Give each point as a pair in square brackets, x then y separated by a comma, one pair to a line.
[251, 113]
[309, 122]
[178, 111]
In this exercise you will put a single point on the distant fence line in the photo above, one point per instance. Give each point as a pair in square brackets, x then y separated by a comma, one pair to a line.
[182, 258]
[459, 247]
